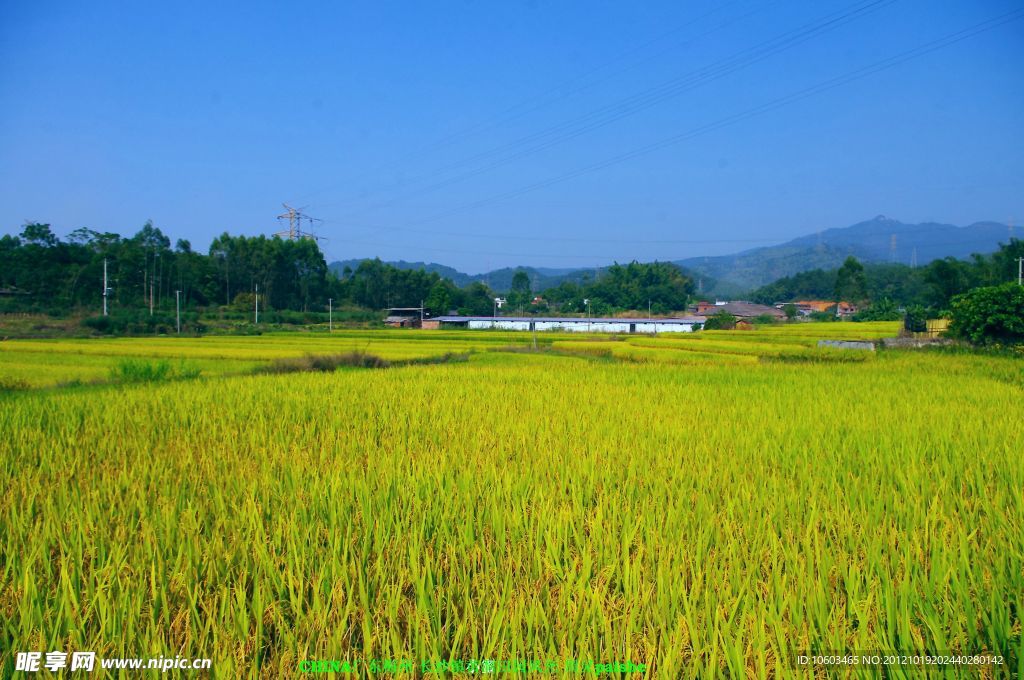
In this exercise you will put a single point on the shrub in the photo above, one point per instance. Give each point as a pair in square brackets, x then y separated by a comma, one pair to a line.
[882, 310]
[990, 315]
[97, 323]
[823, 316]
[916, 319]
[136, 370]
[9, 384]
[323, 363]
[721, 321]
[140, 370]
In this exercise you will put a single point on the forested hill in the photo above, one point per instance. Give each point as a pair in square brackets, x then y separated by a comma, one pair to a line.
[499, 280]
[877, 240]
[933, 285]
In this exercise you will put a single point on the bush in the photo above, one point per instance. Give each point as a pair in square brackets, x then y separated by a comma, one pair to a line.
[323, 363]
[9, 384]
[990, 315]
[131, 322]
[823, 316]
[882, 310]
[721, 321]
[97, 323]
[140, 370]
[916, 319]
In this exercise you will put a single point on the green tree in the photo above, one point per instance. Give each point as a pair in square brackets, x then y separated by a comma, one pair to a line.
[916, 319]
[663, 285]
[882, 310]
[439, 300]
[520, 294]
[851, 284]
[990, 315]
[947, 278]
[477, 300]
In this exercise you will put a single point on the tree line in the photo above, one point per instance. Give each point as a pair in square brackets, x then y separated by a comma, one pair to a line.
[932, 286]
[43, 273]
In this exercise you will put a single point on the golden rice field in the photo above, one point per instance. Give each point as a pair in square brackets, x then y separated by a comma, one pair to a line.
[709, 505]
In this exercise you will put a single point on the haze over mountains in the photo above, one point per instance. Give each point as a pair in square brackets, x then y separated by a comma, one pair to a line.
[880, 239]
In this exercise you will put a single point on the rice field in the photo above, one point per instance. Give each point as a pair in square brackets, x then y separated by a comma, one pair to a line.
[693, 504]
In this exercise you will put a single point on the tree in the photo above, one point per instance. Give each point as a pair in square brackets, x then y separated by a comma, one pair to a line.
[990, 315]
[916, 319]
[1003, 264]
[439, 300]
[947, 278]
[663, 285]
[39, 234]
[520, 295]
[478, 300]
[851, 284]
[883, 310]
[791, 311]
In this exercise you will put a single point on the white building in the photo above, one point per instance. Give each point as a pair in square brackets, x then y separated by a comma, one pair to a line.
[574, 324]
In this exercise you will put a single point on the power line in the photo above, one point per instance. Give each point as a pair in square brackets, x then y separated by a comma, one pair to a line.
[799, 95]
[619, 256]
[563, 90]
[633, 104]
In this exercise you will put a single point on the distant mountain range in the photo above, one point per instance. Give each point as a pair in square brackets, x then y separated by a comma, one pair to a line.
[877, 240]
[499, 280]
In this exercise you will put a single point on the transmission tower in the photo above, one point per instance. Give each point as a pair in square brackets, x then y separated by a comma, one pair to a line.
[295, 216]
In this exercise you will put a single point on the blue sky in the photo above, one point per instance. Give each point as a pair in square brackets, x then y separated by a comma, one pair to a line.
[434, 130]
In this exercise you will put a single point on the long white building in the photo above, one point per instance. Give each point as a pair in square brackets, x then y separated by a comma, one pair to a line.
[573, 324]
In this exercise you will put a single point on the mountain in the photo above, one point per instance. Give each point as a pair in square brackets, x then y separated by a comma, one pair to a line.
[444, 271]
[499, 280]
[877, 240]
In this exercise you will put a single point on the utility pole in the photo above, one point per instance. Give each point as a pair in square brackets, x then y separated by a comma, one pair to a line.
[590, 317]
[177, 308]
[330, 315]
[151, 296]
[648, 308]
[105, 288]
[421, 313]
[257, 304]
[1020, 271]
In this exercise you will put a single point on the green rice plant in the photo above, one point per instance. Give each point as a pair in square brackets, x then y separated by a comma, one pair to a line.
[706, 513]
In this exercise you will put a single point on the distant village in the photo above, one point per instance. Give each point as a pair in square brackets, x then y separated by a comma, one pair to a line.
[742, 314]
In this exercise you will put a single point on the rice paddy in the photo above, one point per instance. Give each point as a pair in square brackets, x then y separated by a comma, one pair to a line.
[685, 502]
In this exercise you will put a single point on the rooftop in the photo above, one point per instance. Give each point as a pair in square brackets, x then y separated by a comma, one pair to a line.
[570, 319]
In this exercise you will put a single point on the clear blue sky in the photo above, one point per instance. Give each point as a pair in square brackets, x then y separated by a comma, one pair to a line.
[411, 127]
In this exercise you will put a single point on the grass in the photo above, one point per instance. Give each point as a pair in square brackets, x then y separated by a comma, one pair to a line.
[137, 370]
[704, 512]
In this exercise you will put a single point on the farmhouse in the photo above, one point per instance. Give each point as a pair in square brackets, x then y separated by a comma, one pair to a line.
[741, 310]
[404, 317]
[808, 306]
[574, 324]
